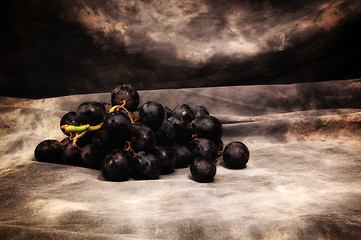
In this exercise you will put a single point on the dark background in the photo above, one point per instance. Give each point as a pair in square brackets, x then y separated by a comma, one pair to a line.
[55, 48]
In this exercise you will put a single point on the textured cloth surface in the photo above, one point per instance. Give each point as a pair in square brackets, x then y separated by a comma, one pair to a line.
[302, 180]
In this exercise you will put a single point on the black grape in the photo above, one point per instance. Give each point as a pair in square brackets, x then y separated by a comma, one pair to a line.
[117, 125]
[125, 92]
[219, 146]
[151, 114]
[207, 127]
[203, 169]
[116, 166]
[50, 151]
[183, 129]
[69, 119]
[200, 110]
[182, 155]
[72, 155]
[92, 157]
[183, 111]
[203, 147]
[235, 155]
[91, 113]
[102, 140]
[165, 134]
[143, 138]
[145, 166]
[166, 159]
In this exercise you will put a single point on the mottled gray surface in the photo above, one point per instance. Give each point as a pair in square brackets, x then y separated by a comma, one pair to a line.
[302, 180]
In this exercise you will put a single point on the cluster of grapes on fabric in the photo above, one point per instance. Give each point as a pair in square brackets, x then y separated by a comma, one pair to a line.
[124, 140]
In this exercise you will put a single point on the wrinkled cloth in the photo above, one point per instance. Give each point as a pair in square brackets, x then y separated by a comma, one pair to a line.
[302, 180]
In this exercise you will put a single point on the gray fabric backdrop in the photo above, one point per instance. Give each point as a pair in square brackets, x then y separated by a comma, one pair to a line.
[302, 180]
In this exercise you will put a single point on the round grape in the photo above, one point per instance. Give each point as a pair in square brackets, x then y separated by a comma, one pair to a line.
[125, 92]
[117, 125]
[183, 111]
[68, 119]
[116, 166]
[151, 114]
[207, 127]
[165, 134]
[145, 166]
[91, 113]
[183, 129]
[182, 155]
[203, 147]
[166, 159]
[143, 137]
[235, 155]
[50, 151]
[203, 169]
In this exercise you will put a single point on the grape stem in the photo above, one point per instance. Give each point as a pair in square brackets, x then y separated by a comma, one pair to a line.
[81, 128]
[129, 148]
[122, 106]
[77, 132]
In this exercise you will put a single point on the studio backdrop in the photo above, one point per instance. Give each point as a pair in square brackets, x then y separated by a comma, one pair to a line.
[55, 48]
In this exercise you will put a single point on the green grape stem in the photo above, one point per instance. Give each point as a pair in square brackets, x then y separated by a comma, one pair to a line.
[80, 131]
[81, 128]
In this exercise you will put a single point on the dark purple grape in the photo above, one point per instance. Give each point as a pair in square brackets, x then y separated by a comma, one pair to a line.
[183, 129]
[125, 92]
[165, 134]
[235, 155]
[118, 126]
[116, 166]
[91, 113]
[145, 166]
[85, 139]
[219, 146]
[50, 151]
[72, 155]
[104, 142]
[166, 159]
[151, 114]
[182, 155]
[200, 110]
[203, 147]
[143, 138]
[207, 127]
[92, 157]
[168, 112]
[69, 119]
[183, 111]
[203, 169]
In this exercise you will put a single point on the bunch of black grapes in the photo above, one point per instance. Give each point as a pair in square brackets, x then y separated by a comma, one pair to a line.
[124, 140]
